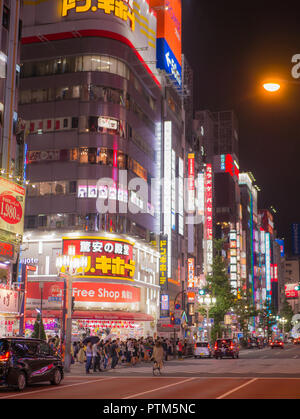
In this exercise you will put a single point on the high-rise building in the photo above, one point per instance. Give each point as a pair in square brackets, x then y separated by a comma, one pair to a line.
[103, 110]
[12, 168]
[92, 101]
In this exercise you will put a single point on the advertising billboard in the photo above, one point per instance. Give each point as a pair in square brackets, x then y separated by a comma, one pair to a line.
[281, 244]
[106, 258]
[209, 218]
[290, 291]
[169, 37]
[163, 262]
[86, 294]
[12, 202]
[9, 301]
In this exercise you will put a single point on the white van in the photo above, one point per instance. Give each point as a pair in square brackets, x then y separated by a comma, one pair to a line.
[202, 349]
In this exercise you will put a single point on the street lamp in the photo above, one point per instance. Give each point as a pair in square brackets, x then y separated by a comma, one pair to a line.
[271, 87]
[207, 302]
[283, 321]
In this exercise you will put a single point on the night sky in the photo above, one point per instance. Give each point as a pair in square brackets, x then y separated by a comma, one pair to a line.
[232, 47]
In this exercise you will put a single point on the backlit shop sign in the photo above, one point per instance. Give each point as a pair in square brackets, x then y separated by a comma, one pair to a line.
[191, 273]
[7, 250]
[122, 9]
[191, 182]
[163, 262]
[106, 258]
[229, 165]
[290, 291]
[233, 260]
[268, 263]
[209, 217]
[108, 123]
[169, 33]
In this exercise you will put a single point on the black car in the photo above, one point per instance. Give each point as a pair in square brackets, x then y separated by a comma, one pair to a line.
[26, 361]
[226, 348]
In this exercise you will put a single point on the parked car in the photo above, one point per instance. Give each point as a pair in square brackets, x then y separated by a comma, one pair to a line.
[226, 348]
[202, 349]
[26, 361]
[296, 341]
[277, 343]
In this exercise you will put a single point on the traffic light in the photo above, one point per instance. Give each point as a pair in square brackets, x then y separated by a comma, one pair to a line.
[297, 287]
[73, 304]
[172, 318]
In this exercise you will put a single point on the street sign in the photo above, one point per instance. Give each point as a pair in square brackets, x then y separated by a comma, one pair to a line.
[177, 314]
[177, 306]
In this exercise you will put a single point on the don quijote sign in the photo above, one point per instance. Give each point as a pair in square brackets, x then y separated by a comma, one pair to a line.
[106, 258]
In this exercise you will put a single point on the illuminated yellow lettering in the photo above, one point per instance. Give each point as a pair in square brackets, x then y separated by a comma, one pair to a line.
[131, 17]
[107, 5]
[84, 8]
[68, 5]
[121, 9]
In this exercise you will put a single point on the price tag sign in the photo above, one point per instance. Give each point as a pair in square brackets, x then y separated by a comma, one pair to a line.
[12, 200]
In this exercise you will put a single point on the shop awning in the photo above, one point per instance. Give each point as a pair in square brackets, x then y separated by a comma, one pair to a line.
[95, 315]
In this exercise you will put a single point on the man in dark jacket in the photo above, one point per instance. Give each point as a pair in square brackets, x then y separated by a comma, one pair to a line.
[114, 354]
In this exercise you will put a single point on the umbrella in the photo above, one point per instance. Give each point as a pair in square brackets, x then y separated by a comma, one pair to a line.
[93, 339]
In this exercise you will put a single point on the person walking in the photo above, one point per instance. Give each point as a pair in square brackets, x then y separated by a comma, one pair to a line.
[89, 357]
[180, 349]
[106, 352]
[96, 357]
[81, 354]
[114, 355]
[158, 356]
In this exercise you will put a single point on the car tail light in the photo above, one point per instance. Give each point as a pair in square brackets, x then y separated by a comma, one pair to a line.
[281, 343]
[216, 347]
[208, 346]
[231, 346]
[5, 357]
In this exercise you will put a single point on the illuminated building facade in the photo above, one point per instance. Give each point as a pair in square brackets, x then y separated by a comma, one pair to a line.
[111, 110]
[12, 168]
[92, 103]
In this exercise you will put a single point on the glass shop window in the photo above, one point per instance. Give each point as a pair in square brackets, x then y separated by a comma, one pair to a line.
[59, 188]
[25, 96]
[83, 155]
[45, 188]
[102, 156]
[92, 155]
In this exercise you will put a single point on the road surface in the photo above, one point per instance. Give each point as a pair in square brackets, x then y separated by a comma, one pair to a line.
[258, 374]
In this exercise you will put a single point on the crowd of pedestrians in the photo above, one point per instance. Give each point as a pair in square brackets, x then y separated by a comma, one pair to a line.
[110, 353]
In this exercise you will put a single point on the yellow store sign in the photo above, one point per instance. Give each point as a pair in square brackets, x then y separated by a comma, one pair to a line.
[120, 8]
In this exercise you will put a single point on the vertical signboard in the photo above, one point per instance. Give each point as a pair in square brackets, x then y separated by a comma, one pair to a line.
[180, 197]
[12, 202]
[209, 217]
[163, 262]
[168, 45]
[191, 272]
[173, 192]
[233, 260]
[268, 264]
[191, 182]
[167, 189]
